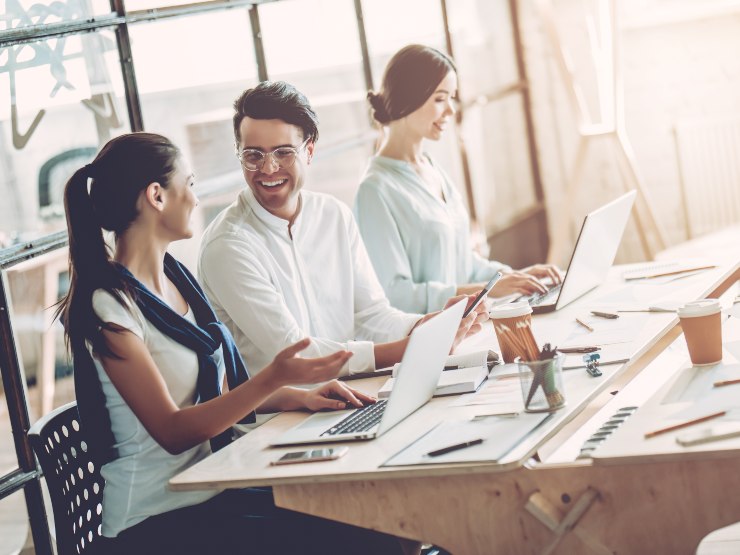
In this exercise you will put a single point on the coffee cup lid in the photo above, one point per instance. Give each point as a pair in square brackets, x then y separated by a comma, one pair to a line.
[694, 309]
[511, 310]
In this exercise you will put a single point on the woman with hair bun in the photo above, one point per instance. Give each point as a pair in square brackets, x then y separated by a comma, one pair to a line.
[150, 361]
[411, 216]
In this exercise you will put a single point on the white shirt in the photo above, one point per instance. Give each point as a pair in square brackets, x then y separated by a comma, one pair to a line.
[419, 243]
[273, 289]
[136, 482]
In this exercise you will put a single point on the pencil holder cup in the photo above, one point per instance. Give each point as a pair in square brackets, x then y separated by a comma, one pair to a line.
[542, 384]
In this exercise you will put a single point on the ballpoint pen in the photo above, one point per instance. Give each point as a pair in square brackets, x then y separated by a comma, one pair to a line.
[607, 315]
[451, 448]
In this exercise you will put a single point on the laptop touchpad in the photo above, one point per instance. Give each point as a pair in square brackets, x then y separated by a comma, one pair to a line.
[322, 421]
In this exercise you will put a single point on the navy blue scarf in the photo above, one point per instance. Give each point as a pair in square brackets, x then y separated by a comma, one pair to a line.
[204, 339]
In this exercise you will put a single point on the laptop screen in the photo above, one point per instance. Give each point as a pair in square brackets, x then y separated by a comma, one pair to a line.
[596, 248]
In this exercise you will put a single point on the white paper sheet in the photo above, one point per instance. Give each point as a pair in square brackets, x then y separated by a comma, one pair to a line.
[500, 435]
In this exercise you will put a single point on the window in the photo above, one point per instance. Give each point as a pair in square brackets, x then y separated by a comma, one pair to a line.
[74, 74]
[60, 100]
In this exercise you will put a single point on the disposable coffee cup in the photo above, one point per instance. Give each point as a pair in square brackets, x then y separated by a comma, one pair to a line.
[702, 327]
[513, 325]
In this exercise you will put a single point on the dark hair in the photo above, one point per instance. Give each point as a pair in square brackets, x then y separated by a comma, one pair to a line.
[276, 100]
[410, 78]
[123, 168]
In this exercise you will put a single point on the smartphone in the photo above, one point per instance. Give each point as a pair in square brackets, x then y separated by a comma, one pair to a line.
[482, 295]
[313, 455]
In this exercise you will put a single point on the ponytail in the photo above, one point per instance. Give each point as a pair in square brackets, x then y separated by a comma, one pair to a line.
[123, 168]
[90, 267]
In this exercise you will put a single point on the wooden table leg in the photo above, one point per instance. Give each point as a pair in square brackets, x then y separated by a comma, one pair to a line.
[661, 507]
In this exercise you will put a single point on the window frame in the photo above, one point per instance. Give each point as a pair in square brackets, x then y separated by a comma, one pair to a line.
[27, 475]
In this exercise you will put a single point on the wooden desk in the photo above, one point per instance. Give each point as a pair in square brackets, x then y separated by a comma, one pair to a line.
[516, 505]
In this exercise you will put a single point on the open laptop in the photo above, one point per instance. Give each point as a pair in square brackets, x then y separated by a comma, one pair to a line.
[420, 370]
[592, 256]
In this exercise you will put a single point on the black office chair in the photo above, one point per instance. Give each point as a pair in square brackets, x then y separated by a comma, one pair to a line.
[74, 481]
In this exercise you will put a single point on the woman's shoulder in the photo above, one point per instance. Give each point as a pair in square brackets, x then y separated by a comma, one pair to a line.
[118, 309]
[382, 178]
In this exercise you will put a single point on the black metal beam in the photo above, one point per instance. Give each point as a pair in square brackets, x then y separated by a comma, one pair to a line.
[464, 161]
[16, 254]
[15, 396]
[259, 48]
[367, 69]
[35, 33]
[527, 105]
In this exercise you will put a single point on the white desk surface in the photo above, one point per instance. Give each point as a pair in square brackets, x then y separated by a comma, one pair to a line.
[677, 400]
[246, 462]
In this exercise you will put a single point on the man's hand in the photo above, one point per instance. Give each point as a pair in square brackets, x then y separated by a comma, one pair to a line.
[472, 323]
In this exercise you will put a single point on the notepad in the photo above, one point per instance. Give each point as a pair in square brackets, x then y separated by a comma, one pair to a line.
[451, 382]
[500, 435]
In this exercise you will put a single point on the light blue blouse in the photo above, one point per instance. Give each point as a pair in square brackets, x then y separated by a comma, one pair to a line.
[419, 244]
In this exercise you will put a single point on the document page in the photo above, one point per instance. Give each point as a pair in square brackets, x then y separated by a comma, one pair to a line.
[499, 434]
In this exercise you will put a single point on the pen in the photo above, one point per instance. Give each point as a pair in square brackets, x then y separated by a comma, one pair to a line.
[584, 324]
[569, 350]
[499, 414]
[609, 315]
[726, 382]
[451, 448]
[685, 424]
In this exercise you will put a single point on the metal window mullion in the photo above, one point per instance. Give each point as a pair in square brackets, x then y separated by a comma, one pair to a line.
[17, 401]
[367, 69]
[131, 90]
[36, 33]
[526, 105]
[464, 161]
[259, 48]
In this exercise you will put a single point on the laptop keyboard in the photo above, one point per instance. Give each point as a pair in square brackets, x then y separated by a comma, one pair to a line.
[360, 420]
[536, 299]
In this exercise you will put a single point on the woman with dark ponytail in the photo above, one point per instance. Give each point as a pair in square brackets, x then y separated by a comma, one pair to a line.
[411, 216]
[150, 358]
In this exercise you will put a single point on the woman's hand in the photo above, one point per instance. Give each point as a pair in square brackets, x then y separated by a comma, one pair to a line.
[545, 271]
[287, 368]
[335, 395]
[517, 282]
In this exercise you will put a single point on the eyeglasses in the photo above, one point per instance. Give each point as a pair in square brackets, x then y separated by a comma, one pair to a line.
[284, 156]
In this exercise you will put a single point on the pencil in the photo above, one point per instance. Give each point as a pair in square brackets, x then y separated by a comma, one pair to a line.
[584, 324]
[685, 424]
[726, 382]
[673, 273]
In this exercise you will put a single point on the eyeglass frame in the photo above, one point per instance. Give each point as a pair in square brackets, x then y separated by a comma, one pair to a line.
[271, 154]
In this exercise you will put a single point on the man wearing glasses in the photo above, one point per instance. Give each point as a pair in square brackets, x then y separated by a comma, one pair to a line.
[281, 264]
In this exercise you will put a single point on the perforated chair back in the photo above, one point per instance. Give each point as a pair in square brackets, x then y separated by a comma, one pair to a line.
[74, 481]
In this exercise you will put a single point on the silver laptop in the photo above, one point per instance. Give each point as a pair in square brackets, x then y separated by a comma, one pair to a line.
[592, 256]
[420, 370]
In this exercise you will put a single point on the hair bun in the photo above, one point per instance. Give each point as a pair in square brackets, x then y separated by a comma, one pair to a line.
[380, 113]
